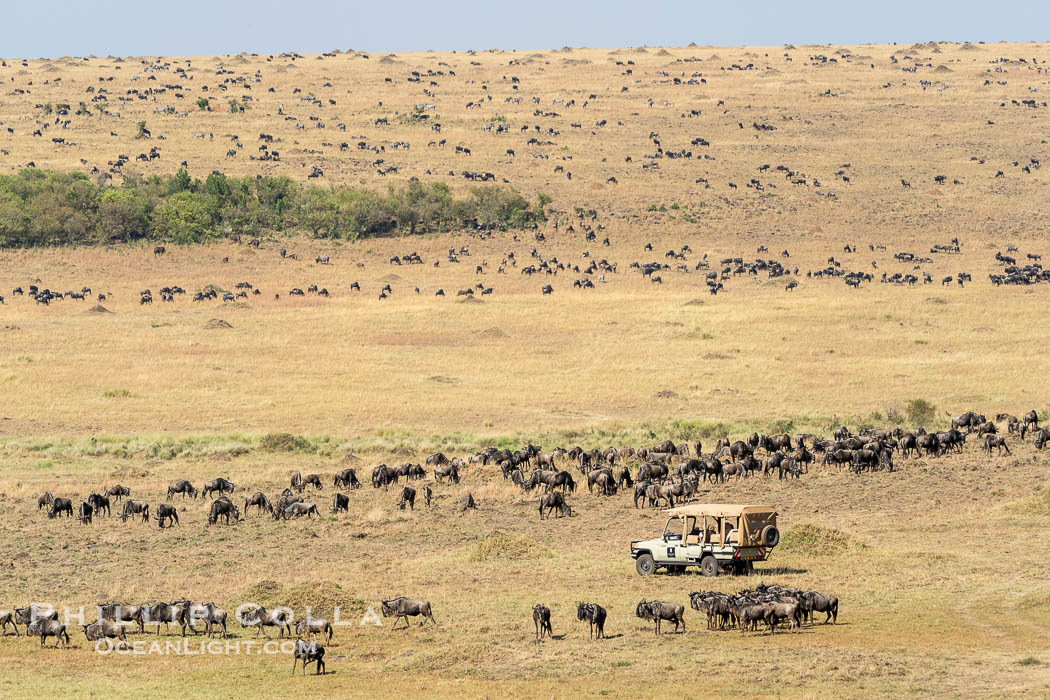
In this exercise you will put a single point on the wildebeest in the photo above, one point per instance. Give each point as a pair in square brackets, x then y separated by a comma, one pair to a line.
[314, 626]
[298, 510]
[340, 502]
[822, 603]
[541, 617]
[1031, 420]
[224, 508]
[121, 612]
[118, 492]
[446, 471]
[427, 495]
[218, 486]
[555, 501]
[184, 487]
[657, 611]
[105, 629]
[99, 503]
[258, 500]
[45, 499]
[408, 497]
[309, 652]
[48, 628]
[402, 607]
[347, 478]
[998, 441]
[84, 516]
[260, 618]
[167, 513]
[61, 505]
[384, 476]
[135, 508]
[595, 615]
[7, 618]
[467, 503]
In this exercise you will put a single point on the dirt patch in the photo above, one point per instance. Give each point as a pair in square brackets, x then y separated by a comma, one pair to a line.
[666, 394]
[469, 299]
[98, 309]
[503, 546]
[491, 333]
[936, 300]
[323, 597]
[694, 302]
[131, 472]
[217, 323]
[942, 69]
[390, 278]
[716, 356]
[442, 379]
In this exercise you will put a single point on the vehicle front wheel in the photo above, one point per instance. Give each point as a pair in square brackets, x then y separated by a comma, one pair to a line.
[645, 565]
[709, 566]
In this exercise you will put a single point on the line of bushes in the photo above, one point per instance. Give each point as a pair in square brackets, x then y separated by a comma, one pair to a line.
[48, 208]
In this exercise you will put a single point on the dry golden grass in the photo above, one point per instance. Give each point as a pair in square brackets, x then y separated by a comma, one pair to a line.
[939, 567]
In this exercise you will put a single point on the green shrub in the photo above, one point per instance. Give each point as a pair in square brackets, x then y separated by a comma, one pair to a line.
[920, 412]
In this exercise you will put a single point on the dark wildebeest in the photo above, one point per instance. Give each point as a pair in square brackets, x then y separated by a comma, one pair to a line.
[407, 607]
[819, 602]
[105, 629]
[446, 471]
[224, 508]
[298, 510]
[218, 486]
[562, 480]
[437, 460]
[652, 472]
[1031, 420]
[168, 513]
[340, 502]
[347, 478]
[314, 626]
[118, 492]
[61, 505]
[408, 497]
[541, 617]
[48, 628]
[552, 501]
[309, 652]
[384, 476]
[595, 615]
[84, 516]
[258, 500]
[427, 495]
[45, 499]
[657, 611]
[260, 617]
[467, 503]
[999, 441]
[120, 612]
[31, 614]
[135, 508]
[99, 503]
[184, 487]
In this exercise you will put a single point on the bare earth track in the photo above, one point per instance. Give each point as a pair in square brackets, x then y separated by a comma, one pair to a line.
[940, 566]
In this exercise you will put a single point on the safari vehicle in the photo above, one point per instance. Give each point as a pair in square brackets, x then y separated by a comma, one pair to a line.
[715, 537]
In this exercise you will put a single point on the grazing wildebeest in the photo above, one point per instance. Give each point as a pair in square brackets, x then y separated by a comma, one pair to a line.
[105, 629]
[45, 499]
[541, 617]
[223, 507]
[595, 615]
[309, 652]
[1031, 420]
[347, 478]
[135, 508]
[218, 486]
[999, 441]
[99, 503]
[258, 500]
[402, 607]
[818, 602]
[467, 503]
[48, 628]
[298, 510]
[61, 505]
[118, 492]
[159, 250]
[167, 513]
[552, 501]
[408, 497]
[84, 516]
[657, 611]
[182, 486]
[261, 617]
[384, 476]
[446, 471]
[314, 626]
[340, 502]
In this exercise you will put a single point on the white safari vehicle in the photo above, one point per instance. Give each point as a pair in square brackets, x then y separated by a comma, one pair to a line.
[715, 537]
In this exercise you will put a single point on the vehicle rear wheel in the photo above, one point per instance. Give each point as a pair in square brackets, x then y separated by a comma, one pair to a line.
[770, 536]
[645, 565]
[709, 566]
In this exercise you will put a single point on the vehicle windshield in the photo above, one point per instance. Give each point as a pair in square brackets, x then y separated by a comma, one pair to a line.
[673, 529]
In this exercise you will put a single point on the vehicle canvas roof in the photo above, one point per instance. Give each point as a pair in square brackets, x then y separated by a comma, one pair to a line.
[720, 509]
